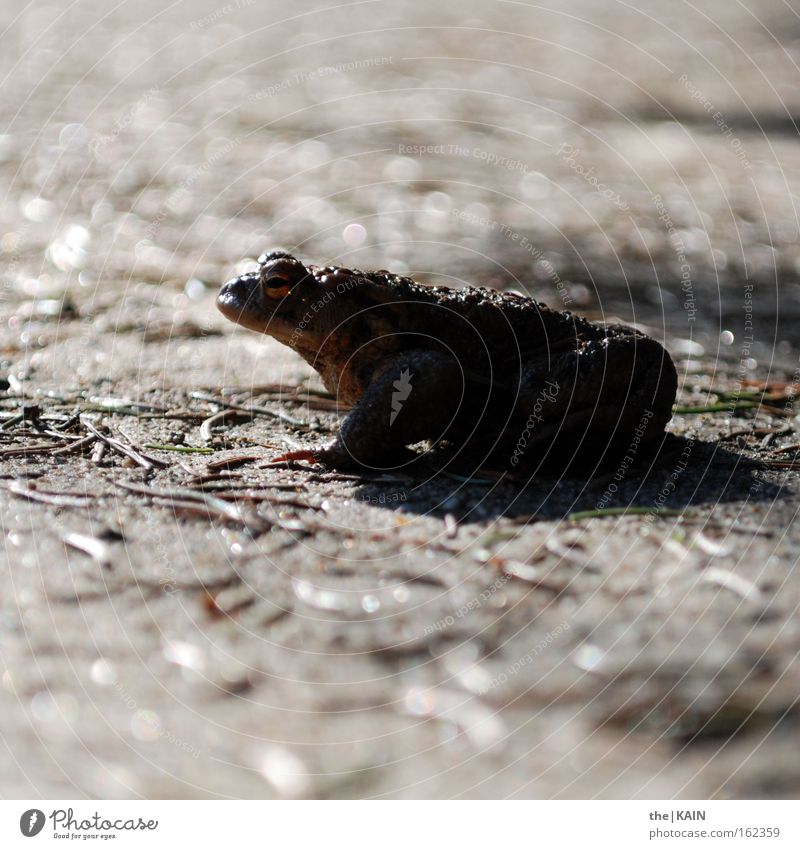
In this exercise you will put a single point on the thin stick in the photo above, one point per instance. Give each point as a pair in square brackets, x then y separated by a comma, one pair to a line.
[622, 511]
[53, 498]
[121, 447]
[78, 445]
[180, 498]
[254, 411]
[182, 449]
[205, 429]
[24, 450]
[231, 462]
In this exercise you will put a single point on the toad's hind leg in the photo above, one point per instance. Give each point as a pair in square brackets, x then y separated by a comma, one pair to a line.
[595, 404]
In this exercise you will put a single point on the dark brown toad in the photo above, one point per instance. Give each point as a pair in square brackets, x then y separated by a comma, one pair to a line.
[472, 368]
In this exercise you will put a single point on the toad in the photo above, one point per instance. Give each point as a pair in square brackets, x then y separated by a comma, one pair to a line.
[475, 369]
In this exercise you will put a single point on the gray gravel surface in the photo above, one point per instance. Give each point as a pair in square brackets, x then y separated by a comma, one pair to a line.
[418, 636]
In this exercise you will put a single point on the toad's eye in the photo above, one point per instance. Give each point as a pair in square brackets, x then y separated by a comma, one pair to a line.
[279, 275]
[276, 288]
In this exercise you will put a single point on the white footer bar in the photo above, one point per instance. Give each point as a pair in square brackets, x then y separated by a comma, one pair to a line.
[400, 825]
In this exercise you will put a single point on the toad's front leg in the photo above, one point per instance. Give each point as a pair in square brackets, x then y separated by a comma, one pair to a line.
[417, 395]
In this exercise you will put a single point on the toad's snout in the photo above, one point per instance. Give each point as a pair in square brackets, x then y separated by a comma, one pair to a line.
[240, 298]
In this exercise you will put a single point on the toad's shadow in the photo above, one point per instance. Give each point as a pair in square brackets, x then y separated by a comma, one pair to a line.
[682, 473]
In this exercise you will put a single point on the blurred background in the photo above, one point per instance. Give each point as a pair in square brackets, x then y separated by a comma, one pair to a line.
[641, 159]
[632, 161]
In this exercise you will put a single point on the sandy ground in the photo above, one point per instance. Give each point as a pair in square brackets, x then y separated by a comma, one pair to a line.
[284, 632]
